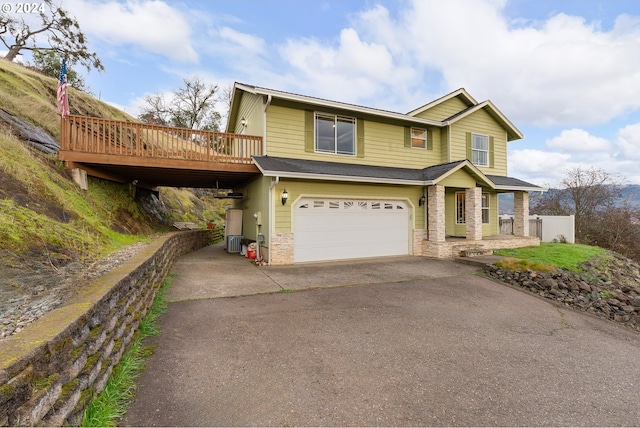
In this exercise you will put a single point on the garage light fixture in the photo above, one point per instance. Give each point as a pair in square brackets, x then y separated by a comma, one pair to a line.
[421, 200]
[285, 196]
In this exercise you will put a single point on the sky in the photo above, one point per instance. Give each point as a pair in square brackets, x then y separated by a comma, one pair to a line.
[565, 72]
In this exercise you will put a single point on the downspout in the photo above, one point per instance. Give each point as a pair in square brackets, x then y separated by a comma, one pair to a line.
[274, 183]
[272, 225]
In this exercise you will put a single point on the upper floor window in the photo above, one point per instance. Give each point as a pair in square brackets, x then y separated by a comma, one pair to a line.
[480, 150]
[419, 138]
[335, 134]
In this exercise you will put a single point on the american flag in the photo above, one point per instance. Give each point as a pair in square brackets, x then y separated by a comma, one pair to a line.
[63, 100]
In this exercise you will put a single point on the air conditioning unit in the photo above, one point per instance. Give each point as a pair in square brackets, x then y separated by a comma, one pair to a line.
[234, 243]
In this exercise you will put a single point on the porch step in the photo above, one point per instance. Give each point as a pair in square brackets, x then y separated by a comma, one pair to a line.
[474, 252]
[471, 251]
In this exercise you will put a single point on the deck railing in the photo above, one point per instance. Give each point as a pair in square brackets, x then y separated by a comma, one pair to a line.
[115, 137]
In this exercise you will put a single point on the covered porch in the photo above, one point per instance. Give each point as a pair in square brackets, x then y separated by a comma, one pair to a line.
[439, 244]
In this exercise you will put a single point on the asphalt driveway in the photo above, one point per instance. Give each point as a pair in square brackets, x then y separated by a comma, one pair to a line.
[400, 341]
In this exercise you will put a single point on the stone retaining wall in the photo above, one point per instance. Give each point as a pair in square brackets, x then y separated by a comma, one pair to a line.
[49, 371]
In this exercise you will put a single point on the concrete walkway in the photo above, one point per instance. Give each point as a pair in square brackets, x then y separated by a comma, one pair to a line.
[423, 343]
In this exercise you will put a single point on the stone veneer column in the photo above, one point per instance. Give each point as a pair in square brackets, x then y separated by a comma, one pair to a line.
[473, 213]
[436, 213]
[521, 213]
[281, 251]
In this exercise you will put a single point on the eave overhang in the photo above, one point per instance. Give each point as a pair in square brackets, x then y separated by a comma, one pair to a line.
[330, 106]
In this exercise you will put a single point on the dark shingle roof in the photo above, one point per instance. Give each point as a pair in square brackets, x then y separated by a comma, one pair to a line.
[436, 171]
[511, 182]
[277, 165]
[301, 166]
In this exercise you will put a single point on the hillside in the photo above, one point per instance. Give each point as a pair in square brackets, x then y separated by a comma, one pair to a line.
[628, 194]
[51, 232]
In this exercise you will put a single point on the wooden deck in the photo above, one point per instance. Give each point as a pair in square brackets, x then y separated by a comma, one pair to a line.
[157, 155]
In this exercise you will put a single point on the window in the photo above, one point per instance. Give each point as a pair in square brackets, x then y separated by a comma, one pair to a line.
[419, 138]
[485, 208]
[480, 150]
[460, 207]
[335, 134]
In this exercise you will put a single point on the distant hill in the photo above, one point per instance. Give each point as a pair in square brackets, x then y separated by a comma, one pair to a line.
[629, 193]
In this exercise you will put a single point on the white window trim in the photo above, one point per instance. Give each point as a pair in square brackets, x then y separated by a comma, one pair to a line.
[335, 137]
[479, 150]
[464, 207]
[424, 146]
[487, 208]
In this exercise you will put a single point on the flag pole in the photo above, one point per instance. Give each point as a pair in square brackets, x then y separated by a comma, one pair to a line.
[62, 95]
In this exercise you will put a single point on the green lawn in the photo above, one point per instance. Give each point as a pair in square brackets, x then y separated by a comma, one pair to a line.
[567, 256]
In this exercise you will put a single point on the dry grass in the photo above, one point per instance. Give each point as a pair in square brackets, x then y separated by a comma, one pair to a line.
[32, 97]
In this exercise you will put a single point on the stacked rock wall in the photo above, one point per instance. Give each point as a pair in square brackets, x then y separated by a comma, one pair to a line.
[49, 371]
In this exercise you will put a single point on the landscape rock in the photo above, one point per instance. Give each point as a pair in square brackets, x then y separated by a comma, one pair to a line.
[608, 287]
[30, 133]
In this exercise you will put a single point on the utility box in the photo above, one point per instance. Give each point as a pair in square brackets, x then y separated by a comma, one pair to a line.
[234, 244]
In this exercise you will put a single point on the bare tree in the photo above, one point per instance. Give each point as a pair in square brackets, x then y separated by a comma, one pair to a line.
[589, 191]
[585, 193]
[194, 104]
[190, 106]
[156, 112]
[61, 30]
[617, 228]
[226, 97]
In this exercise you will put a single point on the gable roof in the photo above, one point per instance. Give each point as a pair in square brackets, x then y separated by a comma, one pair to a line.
[461, 93]
[271, 166]
[513, 133]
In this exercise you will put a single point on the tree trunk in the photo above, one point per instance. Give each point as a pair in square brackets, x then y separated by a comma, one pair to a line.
[11, 55]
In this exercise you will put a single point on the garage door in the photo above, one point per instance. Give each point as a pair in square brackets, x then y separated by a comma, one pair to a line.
[333, 229]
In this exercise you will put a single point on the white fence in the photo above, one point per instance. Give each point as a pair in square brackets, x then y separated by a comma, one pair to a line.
[553, 228]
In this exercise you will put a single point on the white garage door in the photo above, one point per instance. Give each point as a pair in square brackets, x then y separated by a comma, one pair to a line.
[333, 229]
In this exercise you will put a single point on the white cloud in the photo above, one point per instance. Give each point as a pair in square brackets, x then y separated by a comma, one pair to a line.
[245, 43]
[151, 25]
[349, 70]
[578, 140]
[559, 71]
[538, 166]
[628, 144]
[577, 148]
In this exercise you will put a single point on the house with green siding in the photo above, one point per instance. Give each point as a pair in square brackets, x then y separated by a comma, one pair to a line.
[341, 181]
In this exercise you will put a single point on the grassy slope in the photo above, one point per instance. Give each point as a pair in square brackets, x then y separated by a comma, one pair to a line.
[568, 256]
[41, 210]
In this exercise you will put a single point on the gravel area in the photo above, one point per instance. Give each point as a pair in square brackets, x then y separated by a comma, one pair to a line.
[29, 289]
